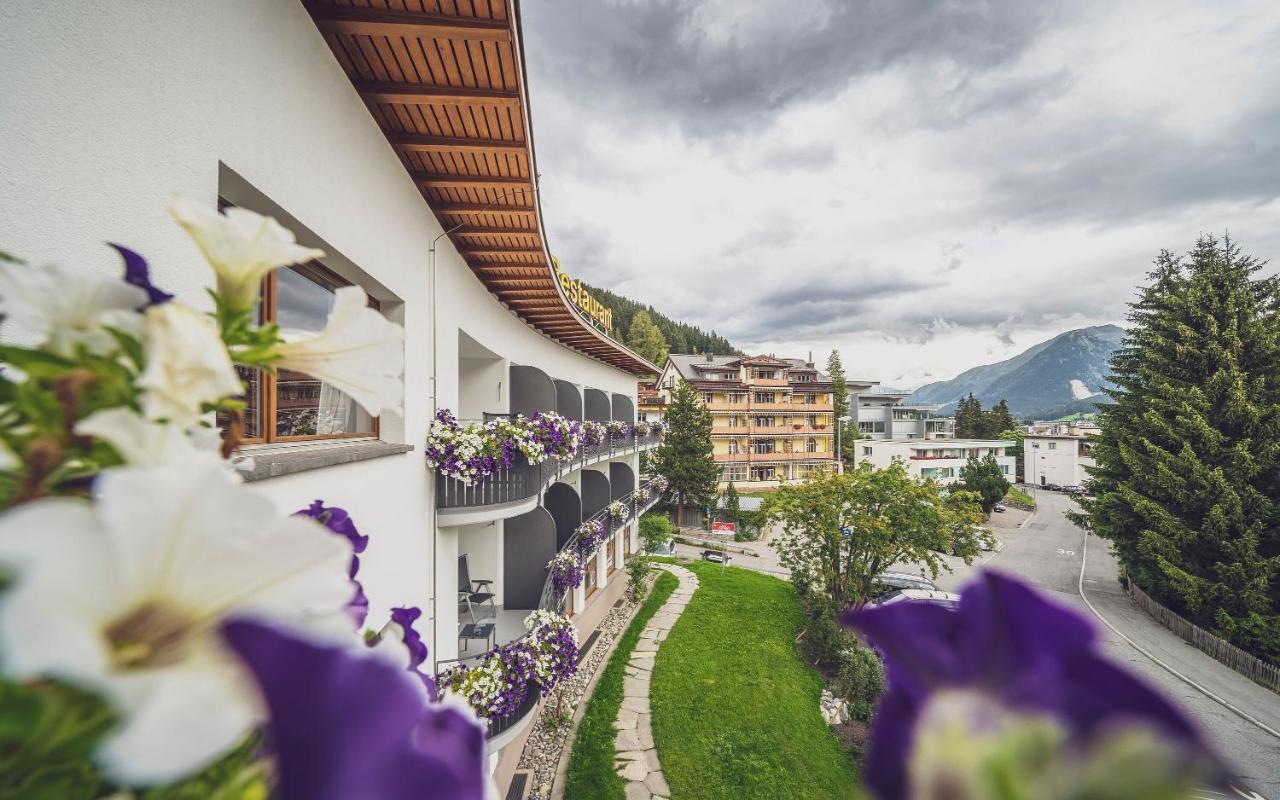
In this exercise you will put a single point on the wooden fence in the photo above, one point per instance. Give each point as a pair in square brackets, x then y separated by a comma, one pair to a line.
[1250, 666]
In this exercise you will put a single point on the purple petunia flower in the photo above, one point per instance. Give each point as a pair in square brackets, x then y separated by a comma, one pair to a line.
[137, 273]
[345, 723]
[340, 522]
[1016, 650]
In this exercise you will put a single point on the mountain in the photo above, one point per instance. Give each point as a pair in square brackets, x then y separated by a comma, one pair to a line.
[1061, 376]
[681, 337]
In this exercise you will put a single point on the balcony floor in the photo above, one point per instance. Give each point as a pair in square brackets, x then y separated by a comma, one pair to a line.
[510, 627]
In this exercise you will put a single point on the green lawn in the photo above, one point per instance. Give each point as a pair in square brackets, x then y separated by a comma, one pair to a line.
[590, 774]
[1016, 495]
[735, 709]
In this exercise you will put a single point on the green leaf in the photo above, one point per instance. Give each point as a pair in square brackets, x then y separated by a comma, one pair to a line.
[48, 733]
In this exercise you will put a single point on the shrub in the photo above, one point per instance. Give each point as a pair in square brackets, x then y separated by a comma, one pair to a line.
[654, 530]
[823, 640]
[860, 680]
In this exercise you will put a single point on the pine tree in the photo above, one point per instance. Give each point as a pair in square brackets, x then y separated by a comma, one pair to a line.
[645, 338]
[1016, 436]
[684, 456]
[969, 418]
[839, 385]
[732, 505]
[999, 419]
[984, 478]
[1187, 482]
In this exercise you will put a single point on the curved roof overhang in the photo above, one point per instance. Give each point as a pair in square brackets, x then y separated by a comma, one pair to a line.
[447, 85]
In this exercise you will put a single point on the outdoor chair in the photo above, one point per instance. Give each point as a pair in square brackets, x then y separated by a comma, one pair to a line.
[472, 593]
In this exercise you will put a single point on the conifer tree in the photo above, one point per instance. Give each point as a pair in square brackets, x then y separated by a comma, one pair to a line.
[839, 384]
[1187, 482]
[996, 420]
[985, 479]
[645, 338]
[732, 504]
[684, 456]
[969, 418]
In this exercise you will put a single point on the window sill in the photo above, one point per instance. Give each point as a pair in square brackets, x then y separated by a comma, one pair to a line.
[277, 460]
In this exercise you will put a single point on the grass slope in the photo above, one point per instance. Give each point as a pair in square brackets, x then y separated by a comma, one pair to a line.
[590, 775]
[1018, 496]
[735, 709]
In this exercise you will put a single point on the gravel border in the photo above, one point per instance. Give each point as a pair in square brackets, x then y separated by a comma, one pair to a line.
[546, 751]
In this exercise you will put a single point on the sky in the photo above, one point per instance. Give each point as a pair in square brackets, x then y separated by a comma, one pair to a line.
[926, 186]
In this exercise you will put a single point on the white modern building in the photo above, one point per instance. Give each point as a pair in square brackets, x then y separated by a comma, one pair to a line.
[881, 413]
[1058, 459]
[938, 459]
[399, 142]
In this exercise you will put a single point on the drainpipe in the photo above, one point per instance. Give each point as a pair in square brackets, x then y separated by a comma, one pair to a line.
[435, 405]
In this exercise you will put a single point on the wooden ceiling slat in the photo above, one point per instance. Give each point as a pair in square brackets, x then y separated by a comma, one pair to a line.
[476, 230]
[442, 180]
[421, 94]
[382, 22]
[480, 208]
[451, 144]
[486, 250]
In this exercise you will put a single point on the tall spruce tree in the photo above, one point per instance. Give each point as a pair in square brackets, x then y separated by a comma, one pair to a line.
[996, 420]
[1187, 482]
[839, 384]
[969, 418]
[684, 456]
[645, 338]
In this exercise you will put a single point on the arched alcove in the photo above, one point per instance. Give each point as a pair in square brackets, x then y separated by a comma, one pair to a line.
[623, 409]
[622, 480]
[529, 542]
[596, 406]
[565, 506]
[531, 390]
[595, 492]
[568, 400]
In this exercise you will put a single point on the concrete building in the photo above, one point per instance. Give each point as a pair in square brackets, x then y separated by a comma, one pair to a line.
[880, 413]
[399, 142]
[1058, 459]
[773, 418]
[938, 459]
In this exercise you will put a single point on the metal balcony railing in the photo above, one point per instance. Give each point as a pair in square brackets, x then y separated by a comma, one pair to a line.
[522, 481]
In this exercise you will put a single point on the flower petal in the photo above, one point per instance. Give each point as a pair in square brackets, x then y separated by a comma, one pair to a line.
[137, 273]
[346, 723]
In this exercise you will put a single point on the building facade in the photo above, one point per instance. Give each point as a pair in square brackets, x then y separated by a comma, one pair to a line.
[881, 413]
[940, 459]
[376, 136]
[772, 418]
[1060, 459]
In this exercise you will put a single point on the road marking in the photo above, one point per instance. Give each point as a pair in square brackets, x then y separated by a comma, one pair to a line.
[1084, 550]
[1062, 552]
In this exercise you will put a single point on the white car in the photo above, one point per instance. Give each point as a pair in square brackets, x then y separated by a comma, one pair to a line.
[934, 597]
[904, 580]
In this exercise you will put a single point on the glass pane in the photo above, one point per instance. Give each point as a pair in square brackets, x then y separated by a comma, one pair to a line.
[306, 406]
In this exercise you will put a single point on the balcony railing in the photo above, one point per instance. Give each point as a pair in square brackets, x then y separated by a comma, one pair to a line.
[761, 458]
[523, 481]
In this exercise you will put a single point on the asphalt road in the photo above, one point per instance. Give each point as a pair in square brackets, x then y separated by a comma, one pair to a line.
[1047, 552]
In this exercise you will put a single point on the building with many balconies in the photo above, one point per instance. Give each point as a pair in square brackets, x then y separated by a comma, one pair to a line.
[880, 412]
[772, 418]
[398, 141]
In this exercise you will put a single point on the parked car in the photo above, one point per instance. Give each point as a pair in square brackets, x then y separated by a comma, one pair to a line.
[887, 582]
[1077, 490]
[715, 556]
[998, 508]
[935, 597]
[1053, 487]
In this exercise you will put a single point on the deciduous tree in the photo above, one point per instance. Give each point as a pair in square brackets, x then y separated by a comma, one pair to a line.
[841, 531]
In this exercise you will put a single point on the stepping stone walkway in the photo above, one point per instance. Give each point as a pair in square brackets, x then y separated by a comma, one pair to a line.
[637, 758]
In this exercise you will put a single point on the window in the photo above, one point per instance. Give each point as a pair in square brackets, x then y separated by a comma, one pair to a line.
[734, 472]
[1053, 445]
[803, 377]
[866, 451]
[764, 422]
[765, 397]
[1035, 445]
[811, 446]
[589, 579]
[293, 406]
[763, 446]
[762, 473]
[706, 397]
[813, 420]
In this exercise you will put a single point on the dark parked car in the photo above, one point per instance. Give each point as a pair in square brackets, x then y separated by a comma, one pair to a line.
[1073, 489]
[1053, 487]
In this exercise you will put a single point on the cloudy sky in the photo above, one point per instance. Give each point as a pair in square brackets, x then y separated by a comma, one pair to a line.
[926, 186]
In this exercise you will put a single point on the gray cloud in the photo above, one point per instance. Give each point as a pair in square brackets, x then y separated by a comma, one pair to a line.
[709, 75]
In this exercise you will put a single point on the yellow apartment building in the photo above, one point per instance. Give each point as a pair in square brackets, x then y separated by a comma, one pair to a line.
[772, 418]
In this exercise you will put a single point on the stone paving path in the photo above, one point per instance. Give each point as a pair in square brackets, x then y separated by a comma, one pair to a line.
[637, 758]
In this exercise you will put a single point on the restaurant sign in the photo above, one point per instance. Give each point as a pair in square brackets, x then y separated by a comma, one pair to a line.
[601, 314]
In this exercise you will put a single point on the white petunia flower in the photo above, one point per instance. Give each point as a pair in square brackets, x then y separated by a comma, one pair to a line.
[125, 595]
[359, 352]
[187, 364]
[142, 442]
[62, 309]
[242, 247]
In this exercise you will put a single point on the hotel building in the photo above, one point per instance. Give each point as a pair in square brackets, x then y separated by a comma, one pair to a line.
[772, 418]
[399, 142]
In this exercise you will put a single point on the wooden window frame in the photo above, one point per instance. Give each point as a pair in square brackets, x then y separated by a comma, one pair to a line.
[267, 382]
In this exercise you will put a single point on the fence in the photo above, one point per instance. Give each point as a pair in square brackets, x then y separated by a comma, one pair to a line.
[1250, 666]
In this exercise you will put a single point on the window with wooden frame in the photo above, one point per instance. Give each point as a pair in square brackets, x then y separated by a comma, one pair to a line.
[293, 406]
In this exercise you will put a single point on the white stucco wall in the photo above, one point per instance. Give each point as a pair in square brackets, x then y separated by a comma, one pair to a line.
[1060, 464]
[107, 109]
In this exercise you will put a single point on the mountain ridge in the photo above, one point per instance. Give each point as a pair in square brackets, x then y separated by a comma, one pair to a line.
[1069, 369]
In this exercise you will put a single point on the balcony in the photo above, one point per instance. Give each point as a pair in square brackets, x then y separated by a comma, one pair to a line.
[510, 623]
[516, 490]
[772, 458]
